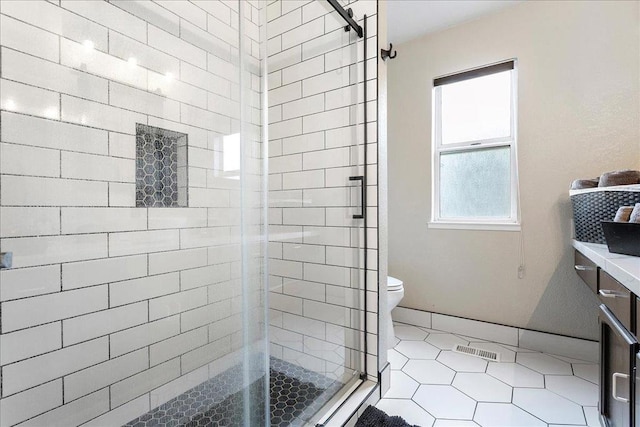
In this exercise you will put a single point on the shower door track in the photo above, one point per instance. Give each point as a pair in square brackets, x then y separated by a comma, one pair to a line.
[347, 15]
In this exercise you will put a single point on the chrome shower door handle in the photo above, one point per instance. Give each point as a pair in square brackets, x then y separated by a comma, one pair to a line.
[363, 198]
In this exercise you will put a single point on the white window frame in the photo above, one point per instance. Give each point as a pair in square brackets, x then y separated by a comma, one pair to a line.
[511, 223]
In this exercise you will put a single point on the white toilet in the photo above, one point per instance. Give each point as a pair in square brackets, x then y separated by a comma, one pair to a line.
[395, 292]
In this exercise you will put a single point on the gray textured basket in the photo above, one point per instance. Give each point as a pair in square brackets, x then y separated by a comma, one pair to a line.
[591, 207]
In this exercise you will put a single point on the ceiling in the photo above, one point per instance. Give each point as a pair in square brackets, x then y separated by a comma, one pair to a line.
[408, 19]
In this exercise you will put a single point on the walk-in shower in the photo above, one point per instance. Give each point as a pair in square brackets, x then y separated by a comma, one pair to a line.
[186, 246]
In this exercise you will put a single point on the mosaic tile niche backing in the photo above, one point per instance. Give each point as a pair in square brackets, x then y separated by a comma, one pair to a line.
[296, 394]
[161, 167]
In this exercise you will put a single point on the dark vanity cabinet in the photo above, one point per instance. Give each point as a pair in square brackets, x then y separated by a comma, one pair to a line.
[618, 299]
[618, 350]
[636, 383]
[618, 345]
[587, 270]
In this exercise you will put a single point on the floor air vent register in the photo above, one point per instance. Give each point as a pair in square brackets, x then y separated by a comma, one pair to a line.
[477, 352]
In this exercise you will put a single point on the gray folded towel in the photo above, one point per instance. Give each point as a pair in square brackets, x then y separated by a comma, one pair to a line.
[623, 214]
[579, 184]
[624, 177]
[635, 215]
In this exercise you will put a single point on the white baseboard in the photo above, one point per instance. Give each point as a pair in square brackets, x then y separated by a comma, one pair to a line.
[473, 328]
[412, 317]
[574, 348]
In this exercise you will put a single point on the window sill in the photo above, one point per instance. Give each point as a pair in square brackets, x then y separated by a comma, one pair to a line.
[474, 226]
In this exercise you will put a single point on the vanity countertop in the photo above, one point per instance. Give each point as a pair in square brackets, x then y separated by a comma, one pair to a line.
[623, 268]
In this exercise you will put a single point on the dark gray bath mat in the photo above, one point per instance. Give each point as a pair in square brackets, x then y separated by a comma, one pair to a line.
[374, 417]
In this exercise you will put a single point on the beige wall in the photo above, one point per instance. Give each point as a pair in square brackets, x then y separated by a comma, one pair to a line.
[578, 71]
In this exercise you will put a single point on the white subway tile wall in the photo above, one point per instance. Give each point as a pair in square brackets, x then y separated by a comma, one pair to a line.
[316, 100]
[109, 309]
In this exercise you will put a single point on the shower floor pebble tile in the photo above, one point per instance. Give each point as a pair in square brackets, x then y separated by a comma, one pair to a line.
[295, 395]
[431, 386]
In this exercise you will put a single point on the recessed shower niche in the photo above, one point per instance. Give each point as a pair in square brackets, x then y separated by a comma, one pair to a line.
[161, 167]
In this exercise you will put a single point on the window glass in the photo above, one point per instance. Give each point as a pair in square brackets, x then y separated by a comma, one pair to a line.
[476, 109]
[476, 183]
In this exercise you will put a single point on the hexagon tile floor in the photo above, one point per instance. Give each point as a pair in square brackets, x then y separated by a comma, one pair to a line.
[296, 394]
[431, 386]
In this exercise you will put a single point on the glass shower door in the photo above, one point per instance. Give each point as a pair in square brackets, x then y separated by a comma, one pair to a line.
[316, 225]
[132, 225]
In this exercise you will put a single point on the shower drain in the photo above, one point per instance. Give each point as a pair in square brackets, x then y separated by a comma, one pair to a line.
[477, 352]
